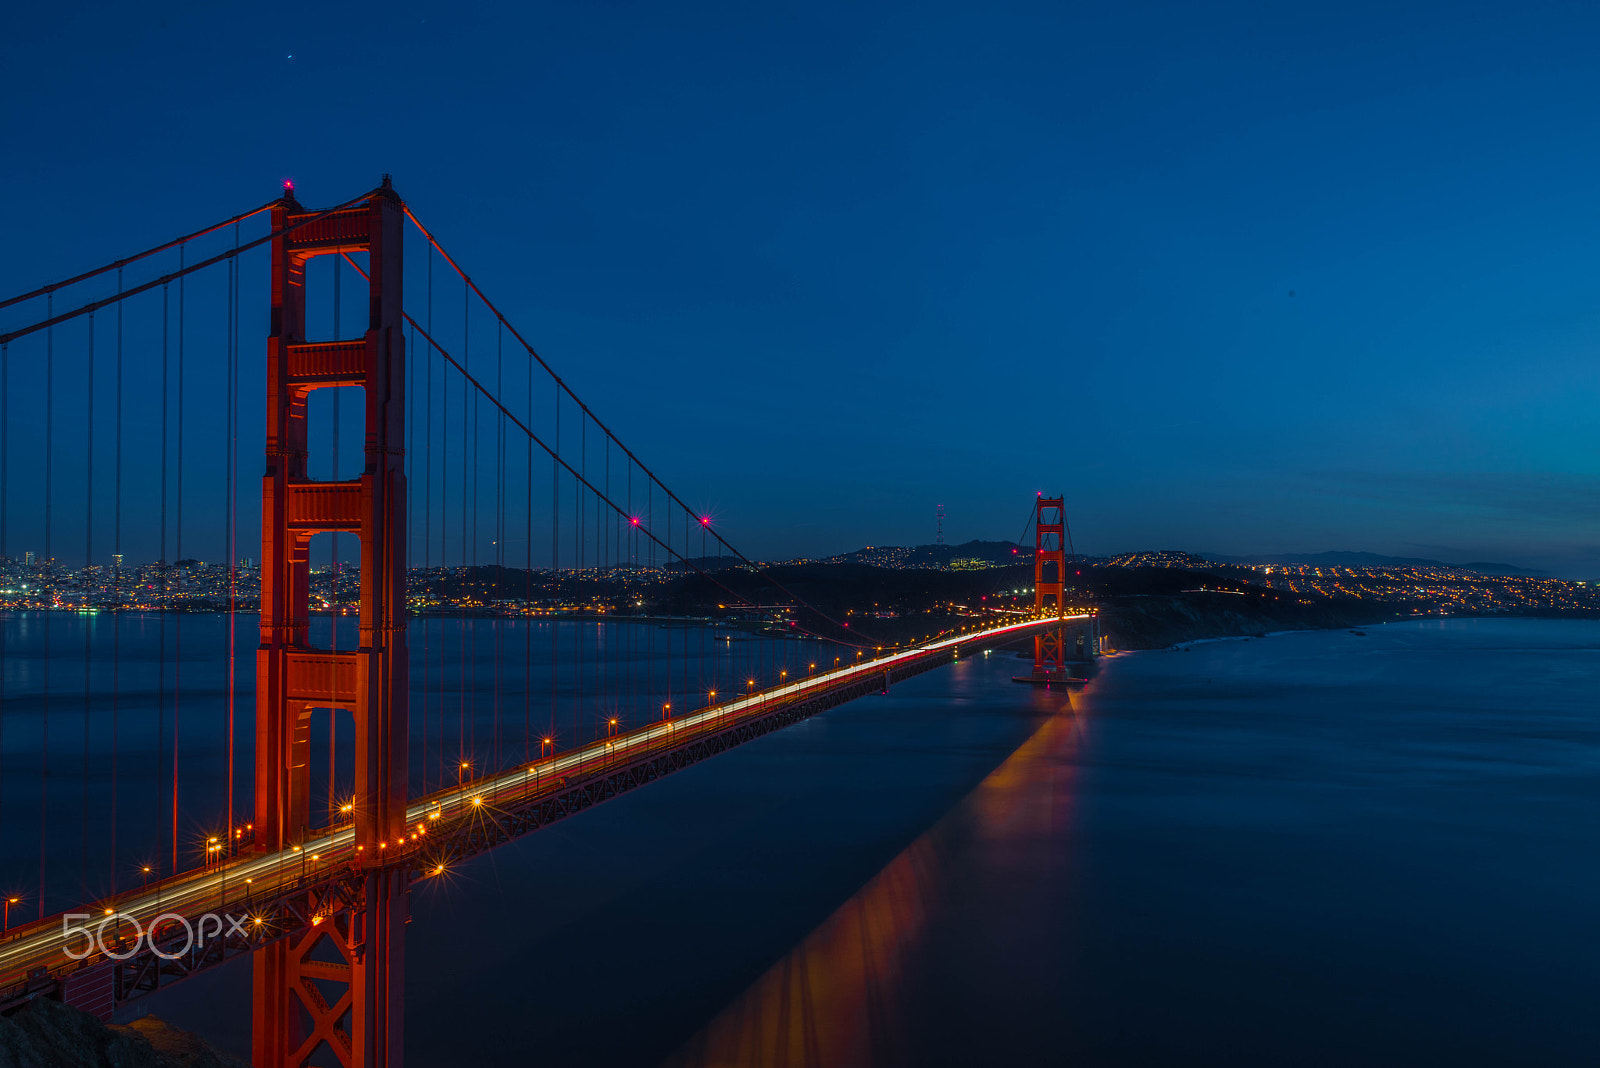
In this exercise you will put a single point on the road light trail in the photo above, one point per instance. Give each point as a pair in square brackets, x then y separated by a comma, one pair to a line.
[259, 878]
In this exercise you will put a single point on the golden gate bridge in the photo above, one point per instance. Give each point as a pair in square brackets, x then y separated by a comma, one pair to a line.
[307, 872]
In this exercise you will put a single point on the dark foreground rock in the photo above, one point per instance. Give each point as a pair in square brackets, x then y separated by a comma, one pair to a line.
[48, 1034]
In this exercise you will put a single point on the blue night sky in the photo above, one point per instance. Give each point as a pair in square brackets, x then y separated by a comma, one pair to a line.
[1235, 278]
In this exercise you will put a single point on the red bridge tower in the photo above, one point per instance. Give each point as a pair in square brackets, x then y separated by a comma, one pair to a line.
[1049, 585]
[340, 984]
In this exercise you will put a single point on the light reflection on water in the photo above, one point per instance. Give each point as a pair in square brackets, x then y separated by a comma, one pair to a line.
[837, 999]
[1323, 848]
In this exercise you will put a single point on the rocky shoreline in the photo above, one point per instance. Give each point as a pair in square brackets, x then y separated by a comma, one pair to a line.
[48, 1034]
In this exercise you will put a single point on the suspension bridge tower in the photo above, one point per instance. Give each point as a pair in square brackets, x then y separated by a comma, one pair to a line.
[1049, 586]
[339, 985]
[1051, 648]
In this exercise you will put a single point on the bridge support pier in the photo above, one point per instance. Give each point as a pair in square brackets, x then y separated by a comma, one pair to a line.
[297, 1018]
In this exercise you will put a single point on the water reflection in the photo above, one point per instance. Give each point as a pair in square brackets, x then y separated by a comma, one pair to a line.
[840, 998]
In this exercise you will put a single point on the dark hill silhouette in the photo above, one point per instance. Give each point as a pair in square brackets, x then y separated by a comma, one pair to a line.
[1363, 559]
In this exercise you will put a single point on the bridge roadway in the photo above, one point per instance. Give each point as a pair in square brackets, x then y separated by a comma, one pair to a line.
[266, 895]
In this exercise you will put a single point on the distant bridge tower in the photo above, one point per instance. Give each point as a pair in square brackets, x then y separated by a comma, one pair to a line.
[938, 525]
[338, 985]
[1049, 585]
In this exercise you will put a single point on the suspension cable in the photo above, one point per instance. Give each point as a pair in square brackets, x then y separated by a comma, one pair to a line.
[607, 430]
[56, 320]
[554, 455]
[136, 257]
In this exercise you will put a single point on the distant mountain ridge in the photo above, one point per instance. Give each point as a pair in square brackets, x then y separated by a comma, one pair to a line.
[1002, 553]
[1361, 559]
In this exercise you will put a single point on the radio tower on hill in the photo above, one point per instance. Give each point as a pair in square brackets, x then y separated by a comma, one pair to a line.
[938, 525]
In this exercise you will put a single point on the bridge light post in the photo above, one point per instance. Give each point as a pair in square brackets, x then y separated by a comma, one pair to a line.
[9, 902]
[461, 772]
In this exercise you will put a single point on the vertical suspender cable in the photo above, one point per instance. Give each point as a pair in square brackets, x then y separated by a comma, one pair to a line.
[687, 691]
[444, 545]
[471, 682]
[116, 578]
[527, 598]
[607, 702]
[166, 576]
[420, 757]
[624, 554]
[580, 510]
[706, 661]
[467, 452]
[333, 562]
[499, 526]
[49, 587]
[650, 517]
[411, 522]
[232, 507]
[88, 631]
[555, 558]
[411, 546]
[427, 521]
[5, 518]
[177, 622]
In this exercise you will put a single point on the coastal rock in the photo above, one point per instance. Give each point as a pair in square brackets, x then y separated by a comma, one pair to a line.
[48, 1034]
